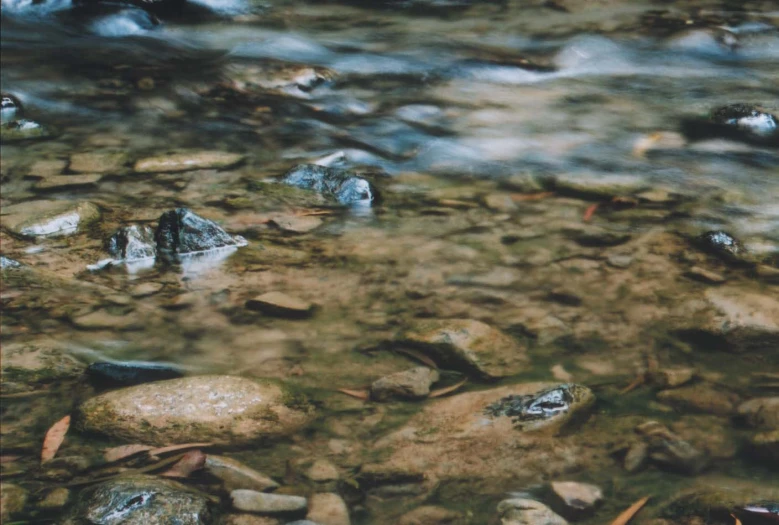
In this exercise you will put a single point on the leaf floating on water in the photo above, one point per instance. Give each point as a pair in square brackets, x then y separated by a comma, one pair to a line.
[738, 521]
[54, 438]
[192, 461]
[443, 391]
[124, 451]
[419, 356]
[631, 511]
[359, 394]
[590, 212]
[176, 448]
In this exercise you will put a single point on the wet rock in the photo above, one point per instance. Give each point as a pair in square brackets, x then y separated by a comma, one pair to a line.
[468, 344]
[765, 445]
[523, 183]
[22, 129]
[61, 182]
[103, 320]
[128, 373]
[673, 377]
[430, 515]
[619, 260]
[576, 500]
[700, 398]
[749, 119]
[669, 451]
[236, 475]
[248, 519]
[35, 363]
[637, 457]
[47, 168]
[103, 162]
[146, 289]
[522, 511]
[323, 470]
[182, 232]
[463, 436]
[44, 218]
[553, 407]
[281, 305]
[132, 243]
[296, 224]
[188, 161]
[599, 186]
[12, 500]
[723, 245]
[500, 202]
[263, 503]
[218, 409]
[597, 238]
[328, 509]
[345, 186]
[10, 108]
[762, 412]
[55, 499]
[139, 500]
[409, 384]
[705, 276]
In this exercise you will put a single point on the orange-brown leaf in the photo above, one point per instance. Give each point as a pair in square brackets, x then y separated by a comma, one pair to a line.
[738, 521]
[8, 459]
[422, 358]
[443, 391]
[359, 394]
[176, 448]
[192, 461]
[54, 438]
[518, 197]
[590, 212]
[637, 382]
[125, 451]
[631, 511]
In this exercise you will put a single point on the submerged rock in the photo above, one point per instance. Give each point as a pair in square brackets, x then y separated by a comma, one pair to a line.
[98, 162]
[12, 500]
[128, 373]
[761, 412]
[187, 161]
[23, 129]
[35, 363]
[281, 305]
[181, 231]
[345, 186]
[49, 218]
[575, 500]
[139, 500]
[669, 451]
[524, 511]
[328, 508]
[236, 475]
[551, 407]
[217, 409]
[599, 186]
[264, 503]
[468, 344]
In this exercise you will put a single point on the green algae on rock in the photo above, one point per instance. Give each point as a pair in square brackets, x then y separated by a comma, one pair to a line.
[225, 410]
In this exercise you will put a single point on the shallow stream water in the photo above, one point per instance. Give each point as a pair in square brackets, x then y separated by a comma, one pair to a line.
[467, 115]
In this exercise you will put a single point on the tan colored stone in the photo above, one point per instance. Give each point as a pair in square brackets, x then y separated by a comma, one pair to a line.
[236, 475]
[187, 161]
[323, 470]
[281, 304]
[97, 162]
[328, 509]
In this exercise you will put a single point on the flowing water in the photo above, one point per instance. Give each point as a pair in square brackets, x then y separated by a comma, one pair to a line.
[463, 113]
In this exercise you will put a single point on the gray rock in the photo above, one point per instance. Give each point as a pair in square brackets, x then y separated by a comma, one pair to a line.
[132, 243]
[236, 475]
[409, 384]
[45, 218]
[598, 185]
[557, 406]
[263, 503]
[281, 305]
[468, 344]
[762, 412]
[523, 511]
[6, 263]
[181, 232]
[721, 244]
[328, 509]
[187, 161]
[225, 410]
[576, 500]
[139, 500]
[619, 260]
[345, 186]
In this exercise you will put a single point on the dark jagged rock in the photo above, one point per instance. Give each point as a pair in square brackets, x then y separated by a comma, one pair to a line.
[140, 500]
[108, 374]
[345, 186]
[10, 108]
[721, 244]
[132, 243]
[742, 122]
[182, 232]
[555, 404]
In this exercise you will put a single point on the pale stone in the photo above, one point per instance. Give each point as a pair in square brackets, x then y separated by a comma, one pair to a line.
[187, 161]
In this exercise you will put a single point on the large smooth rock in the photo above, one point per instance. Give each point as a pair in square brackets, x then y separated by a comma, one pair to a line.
[139, 500]
[470, 345]
[225, 410]
[48, 218]
[186, 161]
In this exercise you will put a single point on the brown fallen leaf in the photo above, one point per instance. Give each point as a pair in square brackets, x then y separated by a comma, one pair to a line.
[518, 197]
[590, 212]
[192, 461]
[637, 382]
[443, 391]
[419, 356]
[176, 448]
[54, 438]
[631, 511]
[359, 394]
[738, 521]
[124, 451]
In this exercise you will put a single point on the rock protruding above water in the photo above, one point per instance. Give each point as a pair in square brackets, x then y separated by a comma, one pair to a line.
[264, 503]
[139, 500]
[132, 243]
[10, 108]
[741, 122]
[7, 264]
[49, 218]
[553, 407]
[188, 161]
[575, 500]
[12, 126]
[224, 410]
[721, 244]
[128, 373]
[345, 186]
[456, 438]
[524, 511]
[468, 344]
[181, 232]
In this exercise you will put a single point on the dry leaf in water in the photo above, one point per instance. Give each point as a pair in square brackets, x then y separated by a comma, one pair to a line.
[359, 394]
[175, 448]
[738, 521]
[125, 451]
[54, 438]
[422, 358]
[192, 461]
[443, 391]
[631, 511]
[519, 197]
[590, 212]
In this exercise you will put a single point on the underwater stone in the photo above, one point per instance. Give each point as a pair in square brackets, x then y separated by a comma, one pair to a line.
[345, 186]
[49, 218]
[181, 232]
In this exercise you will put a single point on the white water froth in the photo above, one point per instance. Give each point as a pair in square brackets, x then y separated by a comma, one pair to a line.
[28, 7]
[124, 23]
[225, 7]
